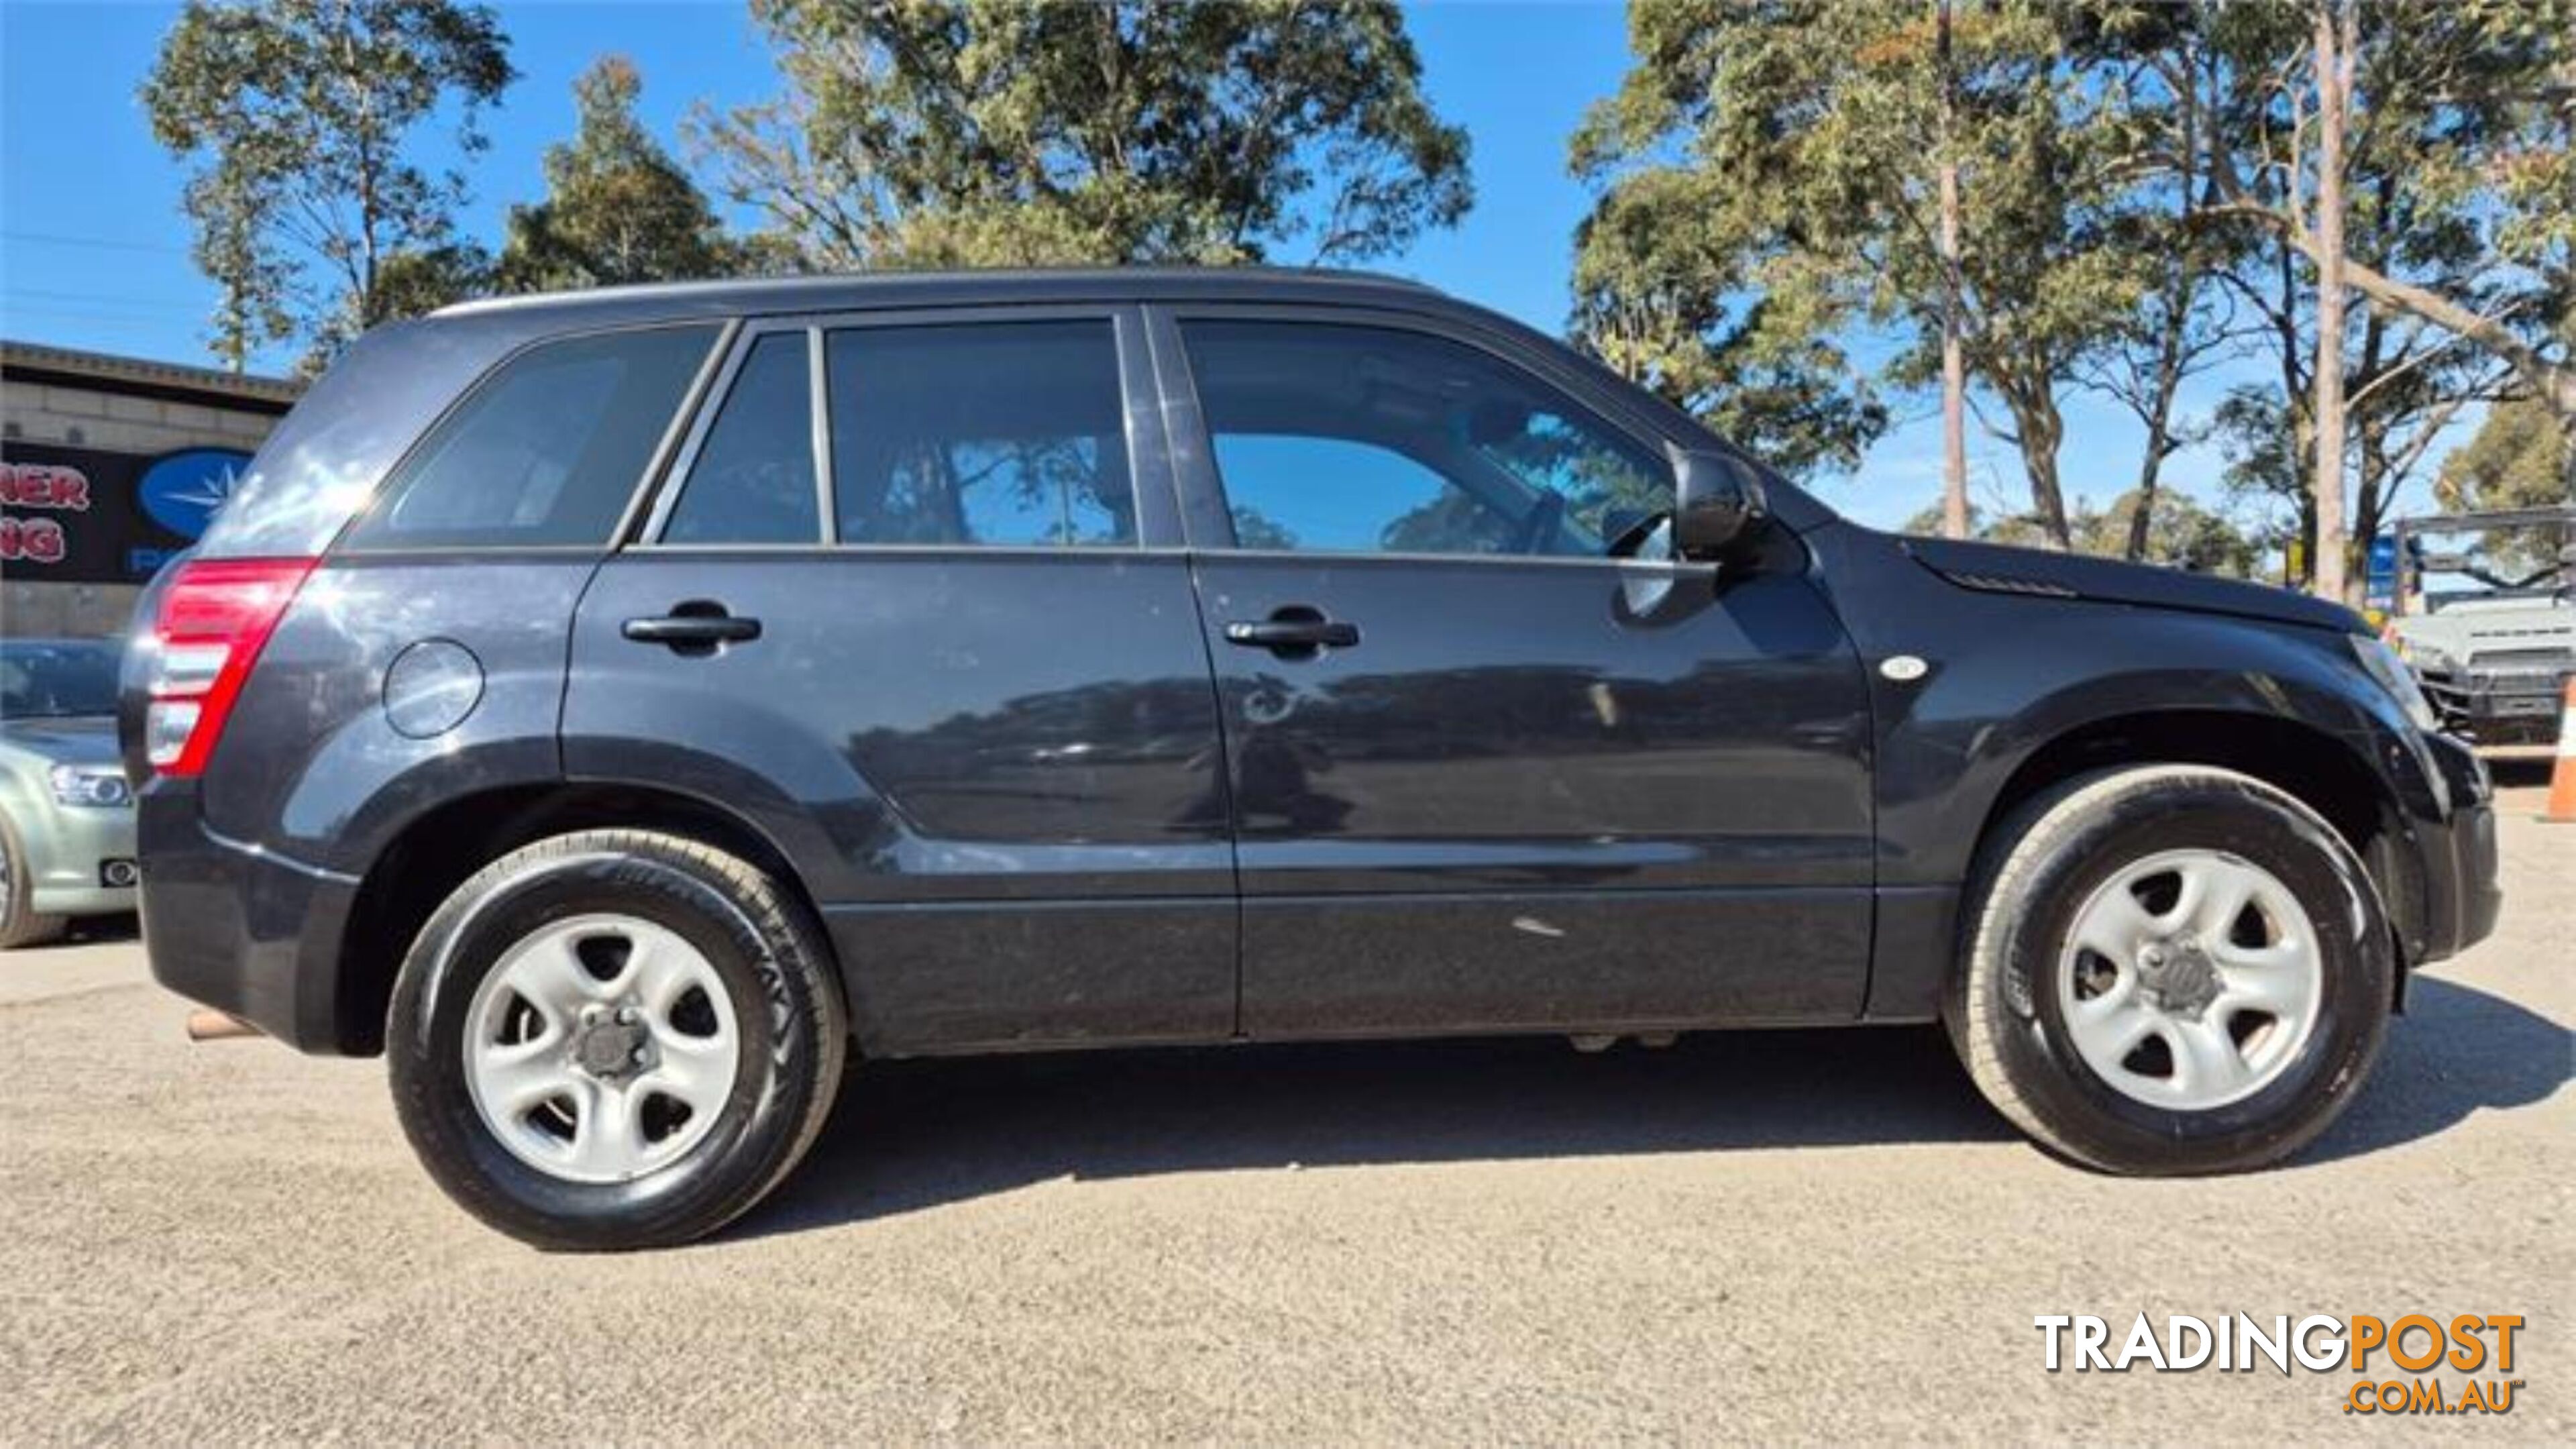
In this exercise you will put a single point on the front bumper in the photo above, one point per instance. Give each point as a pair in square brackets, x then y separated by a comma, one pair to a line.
[2462, 897]
[72, 853]
[2497, 708]
[242, 929]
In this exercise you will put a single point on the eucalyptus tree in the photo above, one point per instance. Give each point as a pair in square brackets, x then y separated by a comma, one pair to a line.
[299, 120]
[2161, 76]
[2413, 157]
[1771, 181]
[618, 207]
[914, 133]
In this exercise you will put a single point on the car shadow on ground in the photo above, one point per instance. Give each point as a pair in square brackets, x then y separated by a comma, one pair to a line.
[915, 1135]
[912, 1135]
[2456, 1051]
[88, 931]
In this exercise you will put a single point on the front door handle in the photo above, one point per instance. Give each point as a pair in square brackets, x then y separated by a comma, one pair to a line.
[695, 627]
[1295, 631]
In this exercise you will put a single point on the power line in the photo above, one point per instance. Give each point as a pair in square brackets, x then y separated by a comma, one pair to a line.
[113, 299]
[55, 316]
[61, 239]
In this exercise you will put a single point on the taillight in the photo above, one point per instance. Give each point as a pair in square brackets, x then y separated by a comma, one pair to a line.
[216, 613]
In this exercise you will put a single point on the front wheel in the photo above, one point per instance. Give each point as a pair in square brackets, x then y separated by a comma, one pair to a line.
[615, 1039]
[2171, 970]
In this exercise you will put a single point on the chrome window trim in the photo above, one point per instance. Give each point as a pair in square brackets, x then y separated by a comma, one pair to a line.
[1518, 560]
[818, 422]
[966, 551]
[961, 551]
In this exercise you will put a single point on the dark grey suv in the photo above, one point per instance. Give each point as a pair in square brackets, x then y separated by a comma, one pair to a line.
[621, 708]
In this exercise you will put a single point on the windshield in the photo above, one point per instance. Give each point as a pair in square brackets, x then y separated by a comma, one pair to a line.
[53, 678]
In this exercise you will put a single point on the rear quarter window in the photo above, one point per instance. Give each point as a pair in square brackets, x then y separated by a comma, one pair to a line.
[545, 452]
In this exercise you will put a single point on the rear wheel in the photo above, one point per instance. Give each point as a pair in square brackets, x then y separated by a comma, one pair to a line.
[2172, 969]
[615, 1039]
[20, 925]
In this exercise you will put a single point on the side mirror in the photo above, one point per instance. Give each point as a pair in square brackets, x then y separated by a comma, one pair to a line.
[1717, 501]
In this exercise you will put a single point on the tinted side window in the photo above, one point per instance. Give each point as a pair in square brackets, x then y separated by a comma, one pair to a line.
[753, 478]
[1346, 492]
[1007, 434]
[546, 451]
[1369, 439]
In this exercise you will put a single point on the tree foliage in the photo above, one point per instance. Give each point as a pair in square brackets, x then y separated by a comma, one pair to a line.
[1664, 299]
[2424, 209]
[421, 280]
[2516, 459]
[2144, 197]
[1768, 175]
[2459, 175]
[298, 117]
[618, 208]
[990, 132]
[2157, 70]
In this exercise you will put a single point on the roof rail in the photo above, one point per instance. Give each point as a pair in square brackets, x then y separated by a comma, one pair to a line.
[820, 281]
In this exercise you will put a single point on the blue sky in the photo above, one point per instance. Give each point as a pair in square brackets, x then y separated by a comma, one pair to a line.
[93, 250]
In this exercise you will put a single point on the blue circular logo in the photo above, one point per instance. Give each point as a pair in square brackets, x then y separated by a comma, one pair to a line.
[183, 491]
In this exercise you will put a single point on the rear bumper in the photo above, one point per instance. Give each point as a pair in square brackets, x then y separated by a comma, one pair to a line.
[241, 929]
[2462, 895]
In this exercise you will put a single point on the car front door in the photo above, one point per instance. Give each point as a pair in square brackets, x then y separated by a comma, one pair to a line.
[1484, 775]
[912, 604]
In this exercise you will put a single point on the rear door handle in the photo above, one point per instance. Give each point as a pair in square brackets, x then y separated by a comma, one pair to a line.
[689, 629]
[1293, 633]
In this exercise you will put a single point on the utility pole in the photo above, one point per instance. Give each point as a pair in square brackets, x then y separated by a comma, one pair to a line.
[1954, 362]
[2336, 36]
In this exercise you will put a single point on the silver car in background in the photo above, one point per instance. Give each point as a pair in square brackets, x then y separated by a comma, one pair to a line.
[66, 814]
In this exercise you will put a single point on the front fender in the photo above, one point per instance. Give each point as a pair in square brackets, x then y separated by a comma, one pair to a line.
[2005, 675]
[1949, 749]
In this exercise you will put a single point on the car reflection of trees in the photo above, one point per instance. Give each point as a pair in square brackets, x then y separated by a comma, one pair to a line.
[1121, 759]
[1137, 760]
[1609, 754]
[1542, 709]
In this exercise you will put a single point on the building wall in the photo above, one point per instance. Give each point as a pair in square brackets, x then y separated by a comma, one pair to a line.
[145, 416]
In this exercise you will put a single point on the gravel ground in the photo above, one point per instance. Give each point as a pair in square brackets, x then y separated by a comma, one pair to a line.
[1750, 1236]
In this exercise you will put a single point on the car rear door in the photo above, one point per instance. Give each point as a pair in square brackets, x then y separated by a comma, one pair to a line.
[1483, 775]
[913, 603]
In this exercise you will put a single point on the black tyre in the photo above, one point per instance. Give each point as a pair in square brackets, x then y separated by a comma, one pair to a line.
[19, 923]
[616, 1039]
[2171, 970]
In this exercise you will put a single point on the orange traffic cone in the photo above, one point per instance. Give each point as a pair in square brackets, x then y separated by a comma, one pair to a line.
[2562, 775]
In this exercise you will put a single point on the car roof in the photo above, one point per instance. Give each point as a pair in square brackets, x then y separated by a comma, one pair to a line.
[829, 293]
